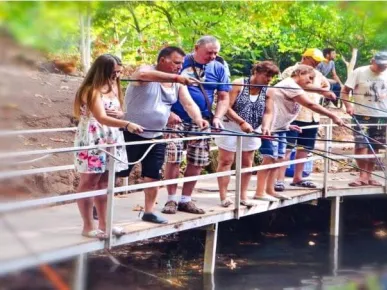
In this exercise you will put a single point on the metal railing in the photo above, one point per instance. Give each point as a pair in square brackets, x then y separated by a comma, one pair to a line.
[111, 189]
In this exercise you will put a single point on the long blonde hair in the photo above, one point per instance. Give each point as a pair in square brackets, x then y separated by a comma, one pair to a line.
[99, 75]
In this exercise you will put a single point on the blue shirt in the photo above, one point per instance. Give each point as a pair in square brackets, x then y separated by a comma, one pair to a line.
[211, 72]
[326, 67]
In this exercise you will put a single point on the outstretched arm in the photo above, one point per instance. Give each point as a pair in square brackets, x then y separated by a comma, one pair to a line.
[269, 112]
[150, 74]
[190, 107]
[307, 103]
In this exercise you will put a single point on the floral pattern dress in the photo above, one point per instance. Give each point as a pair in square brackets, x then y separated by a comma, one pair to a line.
[90, 132]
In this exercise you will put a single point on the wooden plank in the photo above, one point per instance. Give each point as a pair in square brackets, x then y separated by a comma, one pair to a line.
[54, 232]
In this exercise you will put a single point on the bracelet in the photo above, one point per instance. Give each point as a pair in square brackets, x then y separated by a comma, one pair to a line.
[176, 78]
[240, 124]
[126, 127]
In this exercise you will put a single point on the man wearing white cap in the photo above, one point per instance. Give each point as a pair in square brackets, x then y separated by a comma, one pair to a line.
[368, 85]
[306, 117]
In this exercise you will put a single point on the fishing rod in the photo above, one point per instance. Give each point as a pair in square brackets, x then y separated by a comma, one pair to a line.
[268, 86]
[257, 135]
[323, 155]
[238, 134]
[381, 165]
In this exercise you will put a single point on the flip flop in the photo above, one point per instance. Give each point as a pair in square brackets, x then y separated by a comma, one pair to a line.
[279, 186]
[118, 231]
[374, 182]
[304, 183]
[247, 203]
[226, 202]
[358, 183]
[266, 197]
[281, 196]
[95, 234]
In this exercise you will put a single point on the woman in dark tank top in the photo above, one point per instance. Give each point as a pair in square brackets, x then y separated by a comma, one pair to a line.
[249, 109]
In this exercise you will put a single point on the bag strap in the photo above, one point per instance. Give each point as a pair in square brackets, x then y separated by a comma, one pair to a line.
[207, 99]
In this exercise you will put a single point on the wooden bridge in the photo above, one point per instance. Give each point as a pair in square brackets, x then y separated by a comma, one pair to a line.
[45, 230]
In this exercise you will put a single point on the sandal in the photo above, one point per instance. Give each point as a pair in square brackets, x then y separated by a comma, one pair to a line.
[247, 203]
[279, 186]
[226, 202]
[374, 182]
[170, 207]
[96, 234]
[118, 231]
[281, 196]
[266, 197]
[190, 207]
[304, 183]
[358, 183]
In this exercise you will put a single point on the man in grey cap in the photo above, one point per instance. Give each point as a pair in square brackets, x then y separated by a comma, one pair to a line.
[368, 85]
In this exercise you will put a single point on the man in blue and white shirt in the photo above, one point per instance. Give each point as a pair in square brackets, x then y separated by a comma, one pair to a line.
[208, 70]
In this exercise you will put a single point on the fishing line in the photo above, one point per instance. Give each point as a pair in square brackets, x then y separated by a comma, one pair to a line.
[369, 145]
[322, 155]
[273, 87]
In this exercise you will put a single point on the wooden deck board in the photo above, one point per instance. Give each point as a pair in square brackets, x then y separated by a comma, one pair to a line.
[47, 230]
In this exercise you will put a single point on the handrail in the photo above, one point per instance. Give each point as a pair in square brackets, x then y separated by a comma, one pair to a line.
[7, 207]
[102, 146]
[75, 196]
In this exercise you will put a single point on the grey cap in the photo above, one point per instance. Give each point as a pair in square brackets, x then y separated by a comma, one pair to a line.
[381, 57]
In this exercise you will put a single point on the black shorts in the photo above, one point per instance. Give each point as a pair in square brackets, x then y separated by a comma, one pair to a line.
[151, 164]
[310, 134]
[375, 132]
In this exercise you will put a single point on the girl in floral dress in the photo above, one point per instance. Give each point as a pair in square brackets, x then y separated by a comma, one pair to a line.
[98, 107]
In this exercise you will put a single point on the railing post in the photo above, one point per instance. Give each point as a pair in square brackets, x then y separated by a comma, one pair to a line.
[238, 176]
[335, 216]
[329, 137]
[80, 272]
[210, 249]
[385, 164]
[326, 163]
[110, 197]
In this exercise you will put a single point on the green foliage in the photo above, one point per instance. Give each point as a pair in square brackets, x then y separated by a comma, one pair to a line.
[248, 30]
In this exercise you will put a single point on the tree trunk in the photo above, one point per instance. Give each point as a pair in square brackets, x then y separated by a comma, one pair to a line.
[83, 42]
[88, 40]
[351, 64]
[85, 45]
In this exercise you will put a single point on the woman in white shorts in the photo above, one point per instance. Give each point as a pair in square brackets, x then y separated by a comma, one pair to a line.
[249, 110]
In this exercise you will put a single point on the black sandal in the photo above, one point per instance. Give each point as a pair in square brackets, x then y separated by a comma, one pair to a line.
[304, 183]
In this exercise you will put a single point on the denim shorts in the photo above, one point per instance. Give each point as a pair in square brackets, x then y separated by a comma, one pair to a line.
[309, 135]
[275, 148]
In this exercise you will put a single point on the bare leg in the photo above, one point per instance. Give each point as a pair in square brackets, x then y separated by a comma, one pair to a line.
[150, 195]
[362, 164]
[262, 177]
[101, 202]
[281, 171]
[171, 172]
[225, 161]
[271, 178]
[247, 162]
[299, 167]
[87, 182]
[191, 170]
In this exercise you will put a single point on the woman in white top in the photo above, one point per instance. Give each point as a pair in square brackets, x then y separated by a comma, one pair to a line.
[288, 96]
[249, 109]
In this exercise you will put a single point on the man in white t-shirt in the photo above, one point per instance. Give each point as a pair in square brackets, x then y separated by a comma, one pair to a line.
[368, 85]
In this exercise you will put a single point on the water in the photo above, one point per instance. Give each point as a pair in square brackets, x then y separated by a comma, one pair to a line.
[285, 249]
[272, 262]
